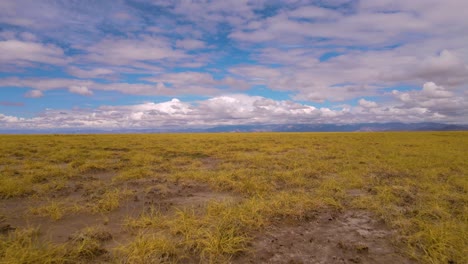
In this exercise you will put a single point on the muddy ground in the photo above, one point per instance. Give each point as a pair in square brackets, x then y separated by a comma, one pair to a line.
[322, 237]
[327, 237]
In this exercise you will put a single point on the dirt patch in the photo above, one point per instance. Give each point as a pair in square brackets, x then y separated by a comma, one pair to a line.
[350, 237]
[210, 163]
[104, 176]
[162, 195]
[167, 196]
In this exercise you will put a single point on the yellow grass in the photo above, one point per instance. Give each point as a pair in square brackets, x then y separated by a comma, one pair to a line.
[415, 182]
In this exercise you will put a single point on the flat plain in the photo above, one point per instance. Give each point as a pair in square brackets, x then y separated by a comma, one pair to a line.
[396, 197]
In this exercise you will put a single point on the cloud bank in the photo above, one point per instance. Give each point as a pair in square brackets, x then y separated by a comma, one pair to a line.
[232, 62]
[239, 109]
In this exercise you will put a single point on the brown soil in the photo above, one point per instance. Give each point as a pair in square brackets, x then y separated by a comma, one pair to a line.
[146, 193]
[210, 163]
[326, 237]
[349, 237]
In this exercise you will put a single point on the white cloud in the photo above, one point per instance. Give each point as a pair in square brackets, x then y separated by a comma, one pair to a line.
[431, 90]
[34, 94]
[393, 43]
[241, 109]
[81, 90]
[24, 53]
[370, 22]
[90, 73]
[367, 104]
[209, 15]
[353, 74]
[27, 36]
[234, 108]
[187, 83]
[120, 51]
[446, 68]
[314, 12]
[78, 22]
[8, 119]
[435, 99]
[43, 84]
[190, 44]
[198, 82]
[222, 110]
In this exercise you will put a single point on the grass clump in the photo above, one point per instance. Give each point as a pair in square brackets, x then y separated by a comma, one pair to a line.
[54, 210]
[109, 201]
[14, 187]
[149, 249]
[133, 174]
[88, 243]
[24, 246]
[215, 236]
[221, 241]
[150, 218]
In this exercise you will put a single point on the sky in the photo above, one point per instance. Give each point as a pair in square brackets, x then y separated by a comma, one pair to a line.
[134, 64]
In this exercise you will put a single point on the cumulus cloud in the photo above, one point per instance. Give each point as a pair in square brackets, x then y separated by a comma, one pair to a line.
[351, 75]
[367, 104]
[34, 94]
[5, 120]
[241, 109]
[81, 90]
[431, 90]
[222, 110]
[236, 108]
[25, 53]
[435, 99]
[293, 41]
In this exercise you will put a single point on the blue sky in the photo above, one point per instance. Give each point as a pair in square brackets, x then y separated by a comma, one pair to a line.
[166, 64]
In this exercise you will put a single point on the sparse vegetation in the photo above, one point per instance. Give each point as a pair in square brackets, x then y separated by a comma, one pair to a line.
[149, 248]
[24, 246]
[55, 210]
[205, 197]
[109, 200]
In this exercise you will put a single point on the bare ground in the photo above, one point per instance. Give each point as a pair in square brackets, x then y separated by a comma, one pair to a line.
[325, 237]
[329, 237]
[146, 193]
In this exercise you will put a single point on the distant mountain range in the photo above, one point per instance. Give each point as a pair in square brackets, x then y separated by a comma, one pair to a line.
[368, 127]
[341, 127]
